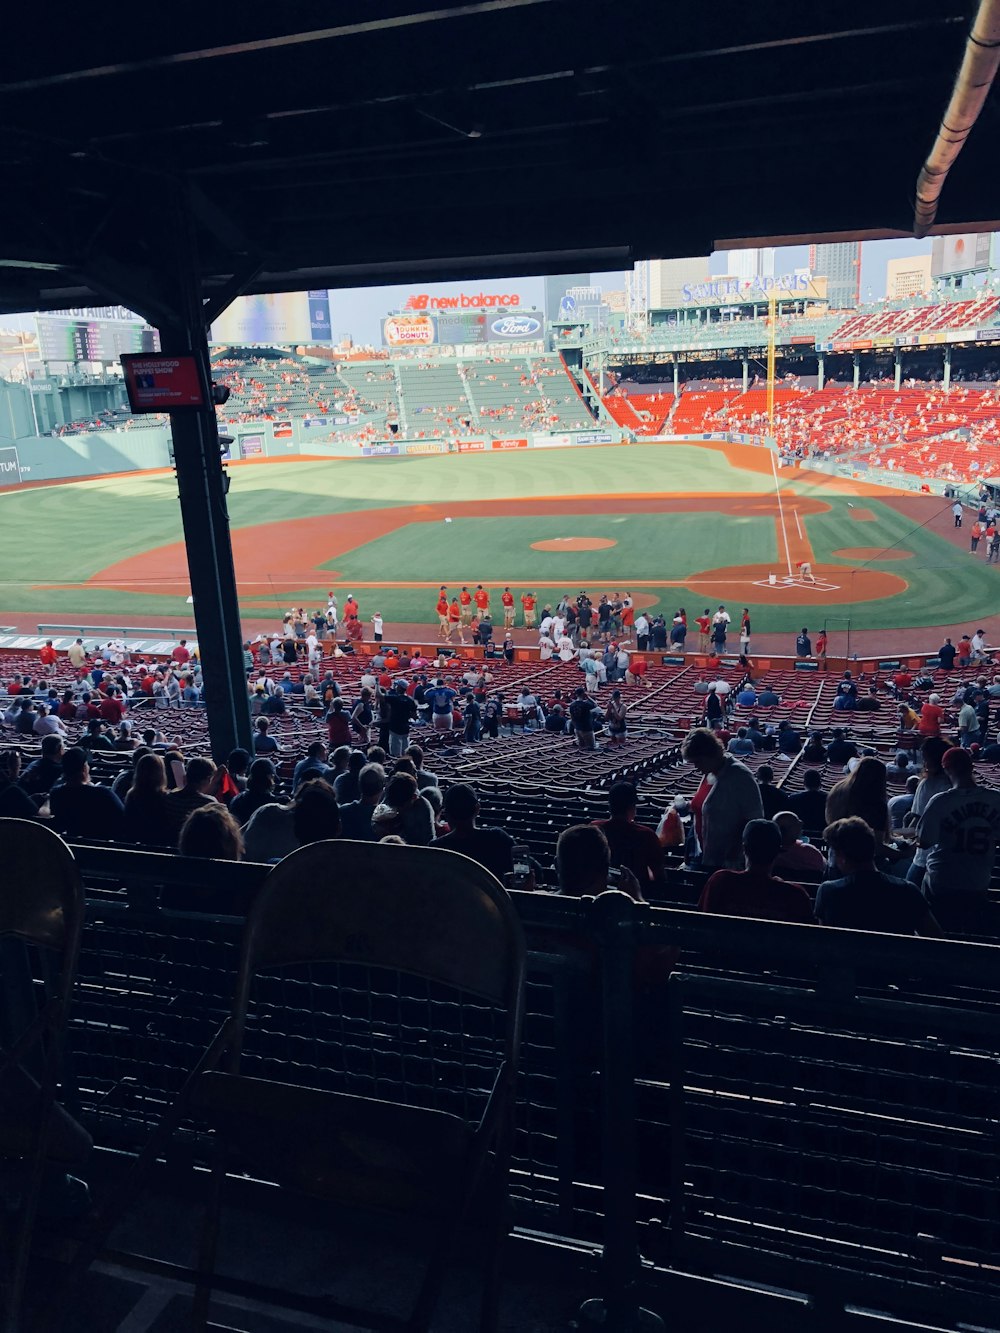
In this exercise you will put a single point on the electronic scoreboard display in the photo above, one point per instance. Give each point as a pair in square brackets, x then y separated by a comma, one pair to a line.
[67, 340]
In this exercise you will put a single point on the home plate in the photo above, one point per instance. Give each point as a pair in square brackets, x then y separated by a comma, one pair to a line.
[793, 581]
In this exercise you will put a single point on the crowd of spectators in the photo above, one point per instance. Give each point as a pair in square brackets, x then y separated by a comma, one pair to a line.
[855, 854]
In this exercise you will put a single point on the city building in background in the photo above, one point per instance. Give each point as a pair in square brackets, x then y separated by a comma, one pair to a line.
[907, 277]
[840, 264]
[749, 264]
[669, 277]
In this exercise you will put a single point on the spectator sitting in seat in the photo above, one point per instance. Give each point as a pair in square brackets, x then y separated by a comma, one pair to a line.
[274, 704]
[959, 830]
[840, 749]
[404, 811]
[345, 785]
[901, 805]
[356, 816]
[796, 858]
[789, 740]
[275, 830]
[80, 808]
[869, 703]
[42, 773]
[491, 847]
[814, 751]
[810, 803]
[263, 741]
[845, 702]
[770, 797]
[741, 744]
[767, 698]
[632, 845]
[147, 812]
[259, 791]
[424, 777]
[755, 891]
[747, 697]
[314, 765]
[211, 832]
[865, 898]
[900, 769]
[201, 780]
[15, 803]
[760, 738]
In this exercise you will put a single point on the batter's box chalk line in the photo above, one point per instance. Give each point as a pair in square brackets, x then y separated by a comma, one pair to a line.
[794, 581]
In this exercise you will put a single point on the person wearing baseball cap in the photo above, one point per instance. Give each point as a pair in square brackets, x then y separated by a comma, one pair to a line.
[959, 830]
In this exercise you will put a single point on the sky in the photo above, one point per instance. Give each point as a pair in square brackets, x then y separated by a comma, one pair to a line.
[357, 312]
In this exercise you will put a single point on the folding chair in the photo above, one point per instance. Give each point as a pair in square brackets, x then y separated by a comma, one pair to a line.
[41, 905]
[418, 911]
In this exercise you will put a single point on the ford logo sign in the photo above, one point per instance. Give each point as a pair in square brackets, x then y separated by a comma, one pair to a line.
[515, 326]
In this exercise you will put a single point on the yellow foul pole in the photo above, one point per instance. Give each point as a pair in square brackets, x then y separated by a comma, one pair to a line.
[772, 337]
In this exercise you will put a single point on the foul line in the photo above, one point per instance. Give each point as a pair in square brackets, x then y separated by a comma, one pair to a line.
[781, 514]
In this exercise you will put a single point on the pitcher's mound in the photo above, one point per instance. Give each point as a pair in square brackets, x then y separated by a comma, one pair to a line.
[867, 553]
[573, 544]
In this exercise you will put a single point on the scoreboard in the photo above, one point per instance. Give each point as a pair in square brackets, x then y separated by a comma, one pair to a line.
[68, 340]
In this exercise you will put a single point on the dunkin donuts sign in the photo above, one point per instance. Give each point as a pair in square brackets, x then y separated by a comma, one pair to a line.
[409, 331]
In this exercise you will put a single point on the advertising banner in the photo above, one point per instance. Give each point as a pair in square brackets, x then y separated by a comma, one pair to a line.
[251, 446]
[409, 331]
[10, 468]
[505, 327]
[319, 314]
[508, 444]
[471, 446]
[427, 447]
[378, 450]
[282, 430]
[462, 327]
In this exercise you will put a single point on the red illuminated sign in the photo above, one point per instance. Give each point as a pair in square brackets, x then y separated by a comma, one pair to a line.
[158, 382]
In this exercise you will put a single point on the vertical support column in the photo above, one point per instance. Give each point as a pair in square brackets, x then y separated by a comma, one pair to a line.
[204, 513]
[898, 364]
[746, 374]
[857, 370]
[205, 518]
[677, 376]
[947, 368]
[821, 371]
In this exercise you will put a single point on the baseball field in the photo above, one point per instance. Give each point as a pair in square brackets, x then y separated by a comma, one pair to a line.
[674, 524]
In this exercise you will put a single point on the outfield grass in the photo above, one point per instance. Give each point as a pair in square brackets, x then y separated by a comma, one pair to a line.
[65, 534]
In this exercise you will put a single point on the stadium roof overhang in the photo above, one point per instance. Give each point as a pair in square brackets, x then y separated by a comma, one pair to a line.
[306, 145]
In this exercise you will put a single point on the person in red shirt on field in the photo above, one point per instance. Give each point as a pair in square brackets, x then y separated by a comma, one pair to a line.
[821, 649]
[455, 620]
[482, 600]
[465, 602]
[507, 601]
[180, 654]
[351, 608]
[48, 656]
[704, 623]
[353, 629]
[444, 629]
[528, 602]
[628, 615]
